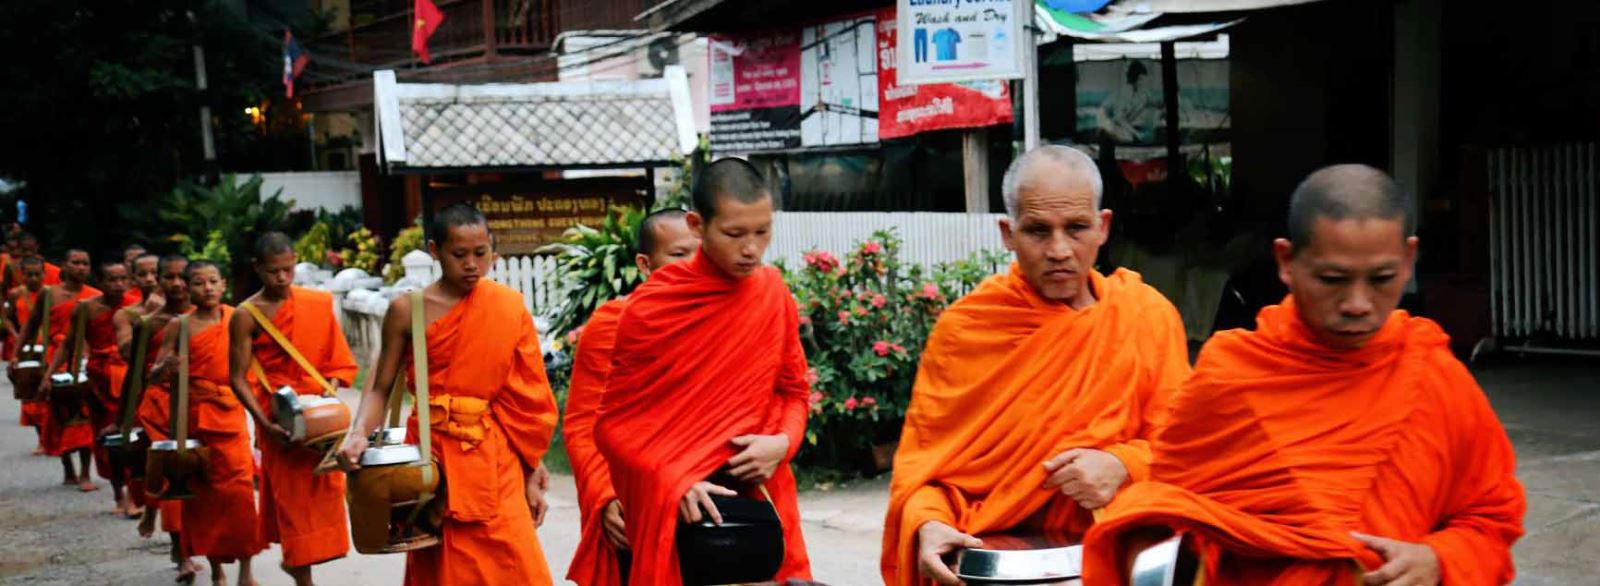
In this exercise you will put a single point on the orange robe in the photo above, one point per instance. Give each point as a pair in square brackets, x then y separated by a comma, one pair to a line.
[132, 297]
[107, 370]
[220, 521]
[493, 416]
[1278, 447]
[34, 413]
[705, 358]
[302, 511]
[52, 274]
[154, 413]
[58, 439]
[1010, 379]
[596, 561]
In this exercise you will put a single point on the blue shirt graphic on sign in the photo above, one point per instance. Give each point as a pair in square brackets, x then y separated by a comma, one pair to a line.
[945, 40]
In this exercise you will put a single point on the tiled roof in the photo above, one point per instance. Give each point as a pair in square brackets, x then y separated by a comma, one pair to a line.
[529, 125]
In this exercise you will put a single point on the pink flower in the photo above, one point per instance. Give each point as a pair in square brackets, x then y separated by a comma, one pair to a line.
[868, 401]
[844, 318]
[811, 379]
[816, 397]
[821, 261]
[572, 336]
[860, 310]
[805, 320]
[930, 291]
[878, 300]
[898, 349]
[880, 348]
[850, 404]
[872, 247]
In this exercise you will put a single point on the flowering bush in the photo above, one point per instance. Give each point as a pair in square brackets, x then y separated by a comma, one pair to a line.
[863, 321]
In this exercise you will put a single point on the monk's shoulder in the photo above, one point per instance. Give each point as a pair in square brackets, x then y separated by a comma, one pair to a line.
[315, 295]
[1141, 295]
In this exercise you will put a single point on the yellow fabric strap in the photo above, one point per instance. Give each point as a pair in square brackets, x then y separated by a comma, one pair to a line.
[180, 406]
[44, 318]
[460, 418]
[419, 357]
[277, 336]
[133, 385]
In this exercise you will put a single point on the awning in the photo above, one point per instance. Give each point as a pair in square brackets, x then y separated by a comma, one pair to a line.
[562, 125]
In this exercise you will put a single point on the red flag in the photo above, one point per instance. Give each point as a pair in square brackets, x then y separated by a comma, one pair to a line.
[428, 19]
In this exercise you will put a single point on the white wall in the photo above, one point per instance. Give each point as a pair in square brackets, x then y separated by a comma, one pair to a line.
[329, 190]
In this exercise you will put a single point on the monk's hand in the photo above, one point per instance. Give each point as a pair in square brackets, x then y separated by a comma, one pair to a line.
[936, 540]
[1405, 564]
[611, 521]
[760, 458]
[349, 454]
[1090, 477]
[538, 482]
[699, 498]
[44, 387]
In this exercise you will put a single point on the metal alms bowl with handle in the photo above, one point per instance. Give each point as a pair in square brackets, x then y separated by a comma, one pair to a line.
[171, 472]
[26, 378]
[1021, 558]
[312, 421]
[384, 494]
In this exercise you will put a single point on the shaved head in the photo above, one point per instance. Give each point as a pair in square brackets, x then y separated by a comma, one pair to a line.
[1346, 192]
[728, 178]
[1054, 159]
[453, 216]
[272, 244]
[647, 240]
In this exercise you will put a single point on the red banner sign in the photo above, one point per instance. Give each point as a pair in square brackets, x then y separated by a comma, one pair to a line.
[904, 110]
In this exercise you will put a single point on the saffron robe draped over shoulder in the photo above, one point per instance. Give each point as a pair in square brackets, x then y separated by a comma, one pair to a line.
[596, 561]
[220, 521]
[155, 416]
[107, 369]
[33, 412]
[1010, 379]
[1278, 447]
[493, 416]
[56, 437]
[704, 358]
[304, 512]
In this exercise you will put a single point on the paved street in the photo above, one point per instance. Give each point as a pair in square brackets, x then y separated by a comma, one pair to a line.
[55, 535]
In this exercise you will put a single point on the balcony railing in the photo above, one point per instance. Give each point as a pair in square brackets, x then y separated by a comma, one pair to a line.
[471, 28]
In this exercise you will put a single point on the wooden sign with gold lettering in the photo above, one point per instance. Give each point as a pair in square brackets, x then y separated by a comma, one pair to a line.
[523, 218]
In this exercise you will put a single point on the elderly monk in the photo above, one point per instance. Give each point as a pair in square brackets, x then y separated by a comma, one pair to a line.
[22, 299]
[155, 407]
[492, 412]
[1033, 400]
[220, 521]
[707, 393]
[106, 370]
[64, 436]
[664, 239]
[1339, 438]
[301, 510]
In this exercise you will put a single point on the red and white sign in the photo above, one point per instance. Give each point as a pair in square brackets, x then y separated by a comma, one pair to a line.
[904, 110]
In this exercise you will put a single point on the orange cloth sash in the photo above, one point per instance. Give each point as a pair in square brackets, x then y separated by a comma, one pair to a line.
[55, 438]
[220, 521]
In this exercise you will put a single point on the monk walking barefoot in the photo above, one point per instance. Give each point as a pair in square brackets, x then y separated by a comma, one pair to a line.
[21, 301]
[220, 522]
[303, 511]
[1340, 442]
[154, 407]
[66, 431]
[492, 412]
[707, 393]
[603, 554]
[1036, 393]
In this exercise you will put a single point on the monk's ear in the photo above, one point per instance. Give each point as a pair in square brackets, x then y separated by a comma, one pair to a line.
[1411, 256]
[433, 249]
[1005, 233]
[643, 262]
[1105, 225]
[1283, 252]
[697, 224]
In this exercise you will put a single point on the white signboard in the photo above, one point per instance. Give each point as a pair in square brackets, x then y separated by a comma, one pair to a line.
[961, 40]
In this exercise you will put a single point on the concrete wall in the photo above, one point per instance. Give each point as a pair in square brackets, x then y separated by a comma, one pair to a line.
[329, 190]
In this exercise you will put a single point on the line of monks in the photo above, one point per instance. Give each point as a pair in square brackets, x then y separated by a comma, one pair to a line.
[1339, 442]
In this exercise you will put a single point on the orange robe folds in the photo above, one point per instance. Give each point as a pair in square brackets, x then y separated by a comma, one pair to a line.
[220, 521]
[705, 358]
[493, 416]
[304, 512]
[1279, 446]
[1010, 379]
[154, 414]
[56, 438]
[34, 413]
[596, 561]
[132, 297]
[52, 274]
[107, 369]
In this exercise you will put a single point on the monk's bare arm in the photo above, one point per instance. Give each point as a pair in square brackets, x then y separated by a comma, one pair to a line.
[30, 329]
[375, 398]
[241, 332]
[793, 391]
[166, 359]
[122, 322]
[60, 358]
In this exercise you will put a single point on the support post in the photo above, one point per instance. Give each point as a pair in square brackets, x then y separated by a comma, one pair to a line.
[975, 168]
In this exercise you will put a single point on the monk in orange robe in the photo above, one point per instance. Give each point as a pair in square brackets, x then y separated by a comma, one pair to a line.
[492, 412]
[664, 239]
[303, 511]
[23, 299]
[74, 435]
[106, 370]
[1034, 397]
[1340, 442]
[145, 270]
[155, 406]
[707, 378]
[28, 247]
[220, 522]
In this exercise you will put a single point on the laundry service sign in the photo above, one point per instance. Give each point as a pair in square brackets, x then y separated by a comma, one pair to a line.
[961, 40]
